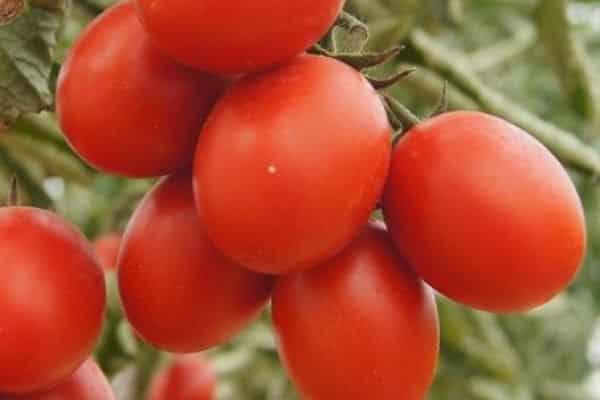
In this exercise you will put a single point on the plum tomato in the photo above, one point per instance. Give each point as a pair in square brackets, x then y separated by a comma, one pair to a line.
[178, 292]
[484, 213]
[186, 378]
[227, 37]
[107, 250]
[360, 326]
[291, 163]
[87, 383]
[52, 299]
[124, 107]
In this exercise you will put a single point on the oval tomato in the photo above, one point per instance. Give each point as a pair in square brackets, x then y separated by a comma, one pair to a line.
[231, 38]
[125, 108]
[52, 299]
[187, 378]
[484, 213]
[107, 250]
[290, 164]
[361, 326]
[177, 290]
[87, 383]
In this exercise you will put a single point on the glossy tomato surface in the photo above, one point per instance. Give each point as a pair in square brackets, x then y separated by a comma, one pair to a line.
[484, 213]
[227, 37]
[177, 290]
[291, 163]
[187, 378]
[87, 383]
[124, 107]
[361, 326]
[52, 299]
[107, 249]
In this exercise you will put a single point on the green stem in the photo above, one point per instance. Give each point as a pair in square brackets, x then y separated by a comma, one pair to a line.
[53, 162]
[42, 127]
[148, 361]
[567, 54]
[568, 147]
[498, 54]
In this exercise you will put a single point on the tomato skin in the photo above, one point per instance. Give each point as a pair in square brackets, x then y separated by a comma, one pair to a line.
[187, 378]
[107, 250]
[221, 37]
[46, 329]
[361, 326]
[291, 163]
[87, 383]
[178, 292]
[484, 213]
[124, 107]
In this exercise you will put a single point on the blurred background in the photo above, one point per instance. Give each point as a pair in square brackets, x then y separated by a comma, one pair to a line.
[533, 62]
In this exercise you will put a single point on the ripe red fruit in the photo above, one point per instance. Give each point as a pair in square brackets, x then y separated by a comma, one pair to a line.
[87, 383]
[290, 164]
[361, 326]
[124, 107]
[107, 250]
[484, 213]
[187, 378]
[235, 37]
[52, 299]
[177, 290]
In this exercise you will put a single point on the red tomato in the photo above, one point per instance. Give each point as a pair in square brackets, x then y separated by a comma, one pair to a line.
[291, 163]
[484, 213]
[361, 326]
[87, 383]
[124, 107]
[107, 250]
[235, 37]
[178, 292]
[52, 299]
[187, 378]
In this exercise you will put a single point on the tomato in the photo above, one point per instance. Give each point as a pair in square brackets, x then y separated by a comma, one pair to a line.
[187, 378]
[87, 383]
[361, 326]
[124, 107]
[484, 213]
[107, 250]
[228, 37]
[291, 163]
[177, 290]
[52, 299]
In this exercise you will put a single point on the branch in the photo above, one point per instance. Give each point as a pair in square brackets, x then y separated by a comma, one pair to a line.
[490, 57]
[568, 56]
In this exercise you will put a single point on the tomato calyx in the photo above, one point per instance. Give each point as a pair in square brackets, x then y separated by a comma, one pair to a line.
[346, 42]
[401, 118]
[389, 81]
[360, 61]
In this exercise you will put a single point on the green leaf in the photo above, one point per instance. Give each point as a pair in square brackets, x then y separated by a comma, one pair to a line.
[26, 56]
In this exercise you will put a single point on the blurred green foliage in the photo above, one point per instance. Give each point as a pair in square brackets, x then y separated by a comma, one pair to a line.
[535, 62]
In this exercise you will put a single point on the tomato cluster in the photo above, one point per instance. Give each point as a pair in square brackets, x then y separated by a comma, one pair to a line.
[273, 162]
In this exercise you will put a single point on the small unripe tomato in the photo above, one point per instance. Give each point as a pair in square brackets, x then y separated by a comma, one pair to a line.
[52, 299]
[484, 213]
[186, 378]
[360, 326]
[107, 250]
[124, 107]
[87, 383]
[178, 292]
[291, 163]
